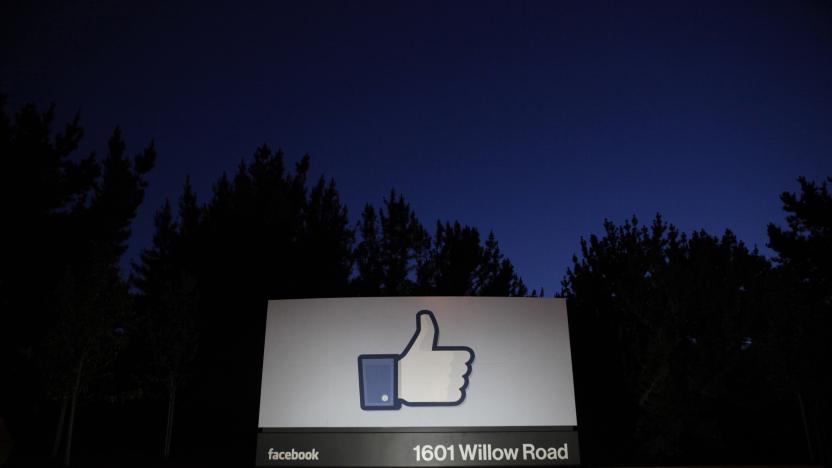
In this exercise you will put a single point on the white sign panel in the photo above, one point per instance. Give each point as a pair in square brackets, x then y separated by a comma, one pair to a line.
[417, 362]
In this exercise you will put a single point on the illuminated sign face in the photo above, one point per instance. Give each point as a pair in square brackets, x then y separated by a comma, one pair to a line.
[476, 376]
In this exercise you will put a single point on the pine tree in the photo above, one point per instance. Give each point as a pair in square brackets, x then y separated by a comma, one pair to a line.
[496, 275]
[370, 273]
[458, 255]
[264, 234]
[168, 302]
[391, 249]
[799, 342]
[660, 324]
[327, 240]
[93, 303]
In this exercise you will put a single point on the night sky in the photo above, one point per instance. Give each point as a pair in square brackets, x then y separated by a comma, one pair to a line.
[534, 119]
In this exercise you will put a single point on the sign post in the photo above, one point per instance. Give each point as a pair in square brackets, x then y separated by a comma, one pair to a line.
[417, 381]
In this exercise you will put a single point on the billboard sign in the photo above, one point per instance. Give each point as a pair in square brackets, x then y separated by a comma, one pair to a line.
[417, 381]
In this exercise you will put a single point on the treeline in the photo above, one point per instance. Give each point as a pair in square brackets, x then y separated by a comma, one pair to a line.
[185, 328]
[695, 349]
[686, 348]
[267, 234]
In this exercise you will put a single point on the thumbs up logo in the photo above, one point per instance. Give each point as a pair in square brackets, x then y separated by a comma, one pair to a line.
[424, 374]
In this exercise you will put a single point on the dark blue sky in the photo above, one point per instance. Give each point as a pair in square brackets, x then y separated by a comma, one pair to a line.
[534, 119]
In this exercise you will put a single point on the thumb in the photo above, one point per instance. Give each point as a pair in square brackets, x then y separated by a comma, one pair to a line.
[426, 331]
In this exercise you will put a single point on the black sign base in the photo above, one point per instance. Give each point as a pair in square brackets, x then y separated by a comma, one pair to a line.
[414, 447]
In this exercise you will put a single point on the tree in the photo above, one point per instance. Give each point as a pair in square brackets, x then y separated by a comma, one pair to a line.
[327, 240]
[263, 234]
[458, 264]
[93, 301]
[43, 189]
[496, 275]
[454, 260]
[392, 246]
[662, 328]
[806, 247]
[370, 272]
[93, 308]
[800, 343]
[60, 259]
[39, 185]
[167, 302]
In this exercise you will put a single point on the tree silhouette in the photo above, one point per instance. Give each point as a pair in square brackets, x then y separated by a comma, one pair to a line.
[263, 235]
[45, 191]
[73, 331]
[167, 303]
[496, 275]
[392, 246]
[662, 325]
[93, 302]
[459, 265]
[73, 215]
[800, 333]
[327, 242]
[679, 340]
[397, 256]
[93, 309]
[370, 272]
[454, 259]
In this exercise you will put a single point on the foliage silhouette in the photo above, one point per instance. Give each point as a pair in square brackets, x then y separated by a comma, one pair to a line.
[393, 244]
[76, 219]
[679, 340]
[167, 303]
[459, 265]
[799, 338]
[665, 332]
